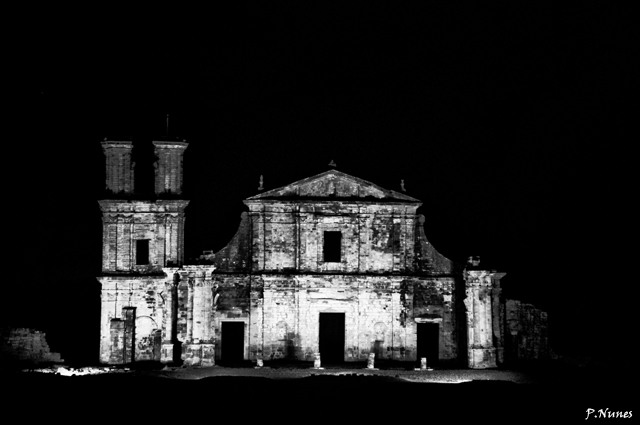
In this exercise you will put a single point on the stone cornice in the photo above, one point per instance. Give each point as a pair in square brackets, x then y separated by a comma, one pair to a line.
[334, 182]
[477, 278]
[170, 145]
[133, 206]
[190, 271]
[113, 144]
[130, 274]
[328, 201]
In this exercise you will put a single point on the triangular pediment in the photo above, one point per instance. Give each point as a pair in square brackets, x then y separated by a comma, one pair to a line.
[334, 184]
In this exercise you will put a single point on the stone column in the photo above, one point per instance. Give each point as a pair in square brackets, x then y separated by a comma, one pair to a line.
[194, 321]
[256, 323]
[198, 308]
[190, 290]
[186, 352]
[206, 340]
[169, 340]
[496, 316]
[478, 303]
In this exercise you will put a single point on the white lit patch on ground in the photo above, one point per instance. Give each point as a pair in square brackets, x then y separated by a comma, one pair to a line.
[81, 371]
[449, 376]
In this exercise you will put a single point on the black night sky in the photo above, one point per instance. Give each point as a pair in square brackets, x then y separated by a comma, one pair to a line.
[508, 124]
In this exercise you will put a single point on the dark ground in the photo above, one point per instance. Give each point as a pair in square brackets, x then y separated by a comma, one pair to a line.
[285, 394]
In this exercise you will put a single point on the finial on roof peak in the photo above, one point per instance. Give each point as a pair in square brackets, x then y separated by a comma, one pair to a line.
[332, 164]
[473, 261]
[261, 187]
[402, 185]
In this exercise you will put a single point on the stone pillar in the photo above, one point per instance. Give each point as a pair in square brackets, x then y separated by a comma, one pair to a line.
[197, 328]
[119, 176]
[168, 167]
[371, 361]
[478, 304]
[187, 351]
[198, 350]
[116, 346]
[180, 238]
[256, 319]
[173, 232]
[169, 338]
[497, 319]
[207, 342]
[190, 290]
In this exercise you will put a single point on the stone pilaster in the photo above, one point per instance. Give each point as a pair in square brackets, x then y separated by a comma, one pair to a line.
[190, 285]
[129, 338]
[478, 304]
[256, 320]
[169, 340]
[497, 319]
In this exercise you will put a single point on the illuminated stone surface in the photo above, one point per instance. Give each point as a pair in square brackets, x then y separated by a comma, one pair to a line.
[331, 243]
[481, 289]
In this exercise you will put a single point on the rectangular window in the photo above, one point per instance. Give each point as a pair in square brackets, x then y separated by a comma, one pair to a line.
[142, 252]
[332, 247]
[397, 230]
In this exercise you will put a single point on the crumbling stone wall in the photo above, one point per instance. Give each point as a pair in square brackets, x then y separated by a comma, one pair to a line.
[427, 258]
[526, 331]
[434, 300]
[23, 344]
[146, 295]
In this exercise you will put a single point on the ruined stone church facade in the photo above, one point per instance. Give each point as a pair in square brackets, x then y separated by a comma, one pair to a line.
[330, 265]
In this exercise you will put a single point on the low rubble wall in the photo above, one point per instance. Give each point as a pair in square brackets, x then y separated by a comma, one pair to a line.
[23, 344]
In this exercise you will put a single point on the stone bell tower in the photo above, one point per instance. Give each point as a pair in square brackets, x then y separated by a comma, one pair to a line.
[141, 235]
[119, 166]
[168, 167]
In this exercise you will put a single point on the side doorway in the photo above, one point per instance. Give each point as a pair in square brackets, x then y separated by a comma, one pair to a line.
[429, 342]
[232, 342]
[331, 337]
